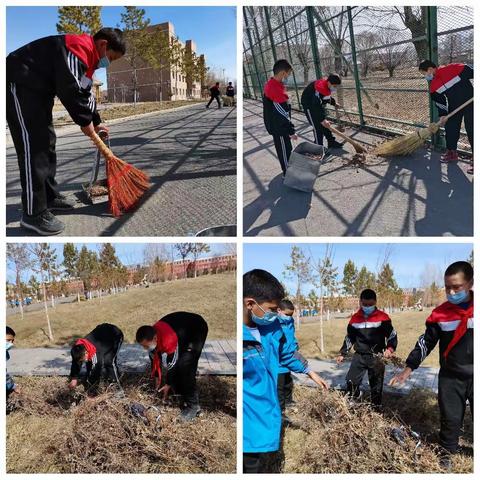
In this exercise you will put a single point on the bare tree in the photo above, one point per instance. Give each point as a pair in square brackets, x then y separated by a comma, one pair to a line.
[299, 270]
[44, 262]
[196, 250]
[19, 258]
[325, 279]
[184, 250]
[391, 56]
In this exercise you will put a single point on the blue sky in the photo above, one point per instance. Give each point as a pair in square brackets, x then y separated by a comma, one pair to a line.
[212, 28]
[128, 253]
[407, 260]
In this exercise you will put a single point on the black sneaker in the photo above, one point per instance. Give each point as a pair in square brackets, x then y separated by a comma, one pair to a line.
[190, 413]
[44, 223]
[335, 144]
[445, 462]
[60, 203]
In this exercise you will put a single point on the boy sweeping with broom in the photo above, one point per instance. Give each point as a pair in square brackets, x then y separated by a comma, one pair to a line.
[62, 66]
[450, 325]
[450, 87]
[315, 96]
[276, 112]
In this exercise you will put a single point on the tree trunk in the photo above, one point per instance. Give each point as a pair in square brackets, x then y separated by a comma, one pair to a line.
[50, 334]
[322, 346]
[418, 28]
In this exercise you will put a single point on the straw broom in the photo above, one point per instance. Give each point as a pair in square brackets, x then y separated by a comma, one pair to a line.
[126, 184]
[409, 143]
[357, 146]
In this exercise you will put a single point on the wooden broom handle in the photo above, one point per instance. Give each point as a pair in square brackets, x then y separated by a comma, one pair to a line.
[461, 107]
[99, 143]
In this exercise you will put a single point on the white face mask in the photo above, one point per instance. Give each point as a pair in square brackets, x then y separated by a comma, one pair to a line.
[152, 348]
[333, 90]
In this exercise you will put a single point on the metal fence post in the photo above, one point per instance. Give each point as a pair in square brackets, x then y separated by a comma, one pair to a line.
[249, 35]
[432, 39]
[246, 86]
[270, 33]
[313, 43]
[290, 55]
[355, 66]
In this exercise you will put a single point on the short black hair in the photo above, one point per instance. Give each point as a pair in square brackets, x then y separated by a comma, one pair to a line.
[286, 304]
[463, 267]
[368, 294]
[10, 331]
[281, 66]
[229, 83]
[78, 352]
[334, 79]
[262, 286]
[146, 332]
[425, 65]
[114, 37]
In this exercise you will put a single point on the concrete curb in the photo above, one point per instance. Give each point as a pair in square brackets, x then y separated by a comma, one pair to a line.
[61, 131]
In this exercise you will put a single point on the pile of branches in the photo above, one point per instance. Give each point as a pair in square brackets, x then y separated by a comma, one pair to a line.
[106, 433]
[331, 434]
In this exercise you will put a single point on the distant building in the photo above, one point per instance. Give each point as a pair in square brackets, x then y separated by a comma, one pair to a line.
[153, 84]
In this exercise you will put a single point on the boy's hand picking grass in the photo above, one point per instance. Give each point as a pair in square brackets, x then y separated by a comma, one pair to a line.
[318, 380]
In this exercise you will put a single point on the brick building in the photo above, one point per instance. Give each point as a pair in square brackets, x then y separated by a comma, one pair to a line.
[153, 84]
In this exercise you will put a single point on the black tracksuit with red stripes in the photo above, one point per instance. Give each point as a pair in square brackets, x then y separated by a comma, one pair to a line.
[450, 88]
[59, 65]
[368, 335]
[191, 331]
[455, 379]
[314, 98]
[107, 339]
[277, 120]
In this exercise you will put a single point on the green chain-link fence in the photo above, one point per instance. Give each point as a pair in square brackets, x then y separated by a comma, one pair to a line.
[375, 49]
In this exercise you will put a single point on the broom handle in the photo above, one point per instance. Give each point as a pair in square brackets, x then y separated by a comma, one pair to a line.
[104, 150]
[461, 107]
[342, 135]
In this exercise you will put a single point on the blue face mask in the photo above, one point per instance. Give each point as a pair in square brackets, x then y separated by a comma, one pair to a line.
[429, 77]
[104, 62]
[267, 319]
[283, 317]
[333, 90]
[368, 310]
[459, 297]
[8, 346]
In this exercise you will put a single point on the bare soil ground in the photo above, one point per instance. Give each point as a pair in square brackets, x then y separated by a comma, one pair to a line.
[212, 296]
[332, 436]
[50, 430]
[409, 326]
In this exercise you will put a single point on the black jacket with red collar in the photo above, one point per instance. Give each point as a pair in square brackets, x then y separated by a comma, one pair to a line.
[451, 86]
[276, 109]
[61, 65]
[442, 327]
[369, 334]
[314, 98]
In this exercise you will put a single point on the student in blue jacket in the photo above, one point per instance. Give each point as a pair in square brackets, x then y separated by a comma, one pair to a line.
[285, 379]
[265, 348]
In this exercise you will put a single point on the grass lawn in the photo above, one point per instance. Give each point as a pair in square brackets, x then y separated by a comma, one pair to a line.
[212, 296]
[409, 326]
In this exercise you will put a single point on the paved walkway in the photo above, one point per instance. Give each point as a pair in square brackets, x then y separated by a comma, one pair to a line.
[218, 358]
[423, 377]
[413, 196]
[190, 155]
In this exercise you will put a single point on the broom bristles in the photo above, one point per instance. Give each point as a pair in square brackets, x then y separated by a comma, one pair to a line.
[407, 144]
[126, 185]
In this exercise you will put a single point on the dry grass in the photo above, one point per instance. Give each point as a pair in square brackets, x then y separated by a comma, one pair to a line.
[332, 436]
[113, 111]
[54, 431]
[212, 296]
[409, 326]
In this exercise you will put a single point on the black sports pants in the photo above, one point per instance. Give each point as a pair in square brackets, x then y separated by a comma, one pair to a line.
[285, 389]
[452, 127]
[29, 118]
[283, 146]
[362, 362]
